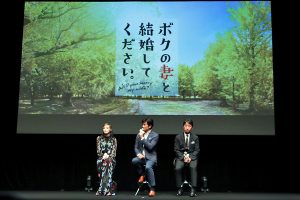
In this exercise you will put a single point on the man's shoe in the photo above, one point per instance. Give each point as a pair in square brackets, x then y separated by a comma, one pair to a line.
[151, 193]
[193, 192]
[141, 179]
[179, 192]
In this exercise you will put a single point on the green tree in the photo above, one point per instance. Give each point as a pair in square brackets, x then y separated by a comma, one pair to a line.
[185, 81]
[253, 35]
[56, 36]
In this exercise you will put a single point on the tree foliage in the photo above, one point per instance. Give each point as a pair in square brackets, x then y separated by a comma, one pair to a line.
[67, 51]
[237, 67]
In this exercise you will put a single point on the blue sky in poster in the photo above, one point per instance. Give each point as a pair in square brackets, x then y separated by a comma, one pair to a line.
[199, 21]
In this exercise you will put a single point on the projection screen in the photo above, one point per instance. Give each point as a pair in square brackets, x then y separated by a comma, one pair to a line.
[87, 63]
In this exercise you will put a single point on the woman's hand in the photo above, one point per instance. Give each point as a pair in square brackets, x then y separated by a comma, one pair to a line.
[105, 156]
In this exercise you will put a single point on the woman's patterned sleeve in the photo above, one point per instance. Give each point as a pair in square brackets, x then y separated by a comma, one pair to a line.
[98, 146]
[114, 148]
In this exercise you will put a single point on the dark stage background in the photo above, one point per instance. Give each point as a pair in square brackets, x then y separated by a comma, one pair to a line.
[231, 163]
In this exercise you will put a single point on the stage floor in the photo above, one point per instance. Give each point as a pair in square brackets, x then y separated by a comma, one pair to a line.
[80, 195]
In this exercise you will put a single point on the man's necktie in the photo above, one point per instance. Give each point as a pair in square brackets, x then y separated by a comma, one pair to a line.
[187, 141]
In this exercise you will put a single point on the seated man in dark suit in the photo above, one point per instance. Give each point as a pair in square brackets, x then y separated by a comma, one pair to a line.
[145, 150]
[186, 149]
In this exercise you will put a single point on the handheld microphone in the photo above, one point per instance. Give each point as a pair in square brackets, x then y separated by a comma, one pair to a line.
[141, 132]
[185, 155]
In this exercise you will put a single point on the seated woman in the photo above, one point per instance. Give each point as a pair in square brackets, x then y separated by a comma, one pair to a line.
[106, 162]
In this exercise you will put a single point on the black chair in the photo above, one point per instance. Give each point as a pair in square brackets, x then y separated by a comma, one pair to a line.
[144, 184]
[185, 182]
